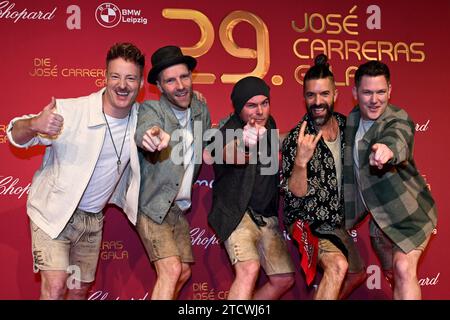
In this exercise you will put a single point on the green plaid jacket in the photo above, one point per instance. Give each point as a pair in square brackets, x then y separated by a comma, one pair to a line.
[397, 195]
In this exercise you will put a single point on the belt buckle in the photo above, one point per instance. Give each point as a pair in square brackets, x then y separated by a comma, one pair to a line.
[257, 218]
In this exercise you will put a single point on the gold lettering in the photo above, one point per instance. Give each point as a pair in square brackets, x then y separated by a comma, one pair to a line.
[403, 48]
[347, 24]
[299, 73]
[318, 45]
[41, 62]
[365, 50]
[296, 48]
[387, 50]
[338, 49]
[262, 52]
[336, 24]
[100, 82]
[204, 43]
[305, 49]
[419, 52]
[297, 29]
[350, 74]
[321, 20]
[354, 47]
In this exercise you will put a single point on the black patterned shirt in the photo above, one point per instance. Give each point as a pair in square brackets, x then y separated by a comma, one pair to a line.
[322, 206]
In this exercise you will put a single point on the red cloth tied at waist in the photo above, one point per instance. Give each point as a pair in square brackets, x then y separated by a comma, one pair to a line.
[308, 245]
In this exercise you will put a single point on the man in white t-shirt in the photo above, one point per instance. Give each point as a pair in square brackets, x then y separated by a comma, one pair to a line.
[90, 160]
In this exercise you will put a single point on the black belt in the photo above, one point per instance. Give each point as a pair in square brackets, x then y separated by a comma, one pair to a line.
[256, 217]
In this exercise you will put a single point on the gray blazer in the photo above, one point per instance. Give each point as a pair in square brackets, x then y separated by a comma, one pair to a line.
[160, 176]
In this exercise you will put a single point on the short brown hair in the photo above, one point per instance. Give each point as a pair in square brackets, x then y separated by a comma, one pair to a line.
[372, 68]
[128, 52]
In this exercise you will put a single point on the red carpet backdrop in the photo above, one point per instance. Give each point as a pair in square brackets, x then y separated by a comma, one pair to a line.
[57, 48]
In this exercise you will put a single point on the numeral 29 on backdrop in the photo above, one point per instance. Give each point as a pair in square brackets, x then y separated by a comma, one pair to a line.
[261, 53]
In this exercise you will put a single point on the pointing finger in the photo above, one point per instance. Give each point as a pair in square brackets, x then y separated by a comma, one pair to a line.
[155, 131]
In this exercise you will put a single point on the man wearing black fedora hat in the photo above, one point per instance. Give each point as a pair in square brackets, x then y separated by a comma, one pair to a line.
[169, 134]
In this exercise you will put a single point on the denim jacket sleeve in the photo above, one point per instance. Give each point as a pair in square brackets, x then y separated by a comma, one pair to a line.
[149, 115]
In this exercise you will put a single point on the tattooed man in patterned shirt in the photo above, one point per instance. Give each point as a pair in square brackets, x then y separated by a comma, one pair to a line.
[312, 175]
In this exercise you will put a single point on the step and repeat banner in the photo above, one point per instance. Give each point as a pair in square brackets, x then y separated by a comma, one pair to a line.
[58, 48]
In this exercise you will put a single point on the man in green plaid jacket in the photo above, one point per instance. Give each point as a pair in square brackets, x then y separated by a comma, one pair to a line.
[381, 179]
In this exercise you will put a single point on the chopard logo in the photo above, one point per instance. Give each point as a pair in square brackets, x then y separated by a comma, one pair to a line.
[198, 238]
[103, 295]
[8, 187]
[7, 12]
[422, 127]
[427, 281]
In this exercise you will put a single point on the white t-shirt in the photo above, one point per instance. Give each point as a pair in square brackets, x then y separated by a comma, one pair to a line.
[106, 173]
[335, 148]
[183, 198]
[364, 126]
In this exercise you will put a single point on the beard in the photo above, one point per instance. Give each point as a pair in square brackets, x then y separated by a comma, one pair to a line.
[321, 120]
[173, 97]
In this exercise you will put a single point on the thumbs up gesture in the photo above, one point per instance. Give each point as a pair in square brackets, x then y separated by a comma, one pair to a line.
[155, 139]
[252, 133]
[48, 122]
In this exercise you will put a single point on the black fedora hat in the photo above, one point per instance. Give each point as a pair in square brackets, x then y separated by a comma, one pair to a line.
[168, 56]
